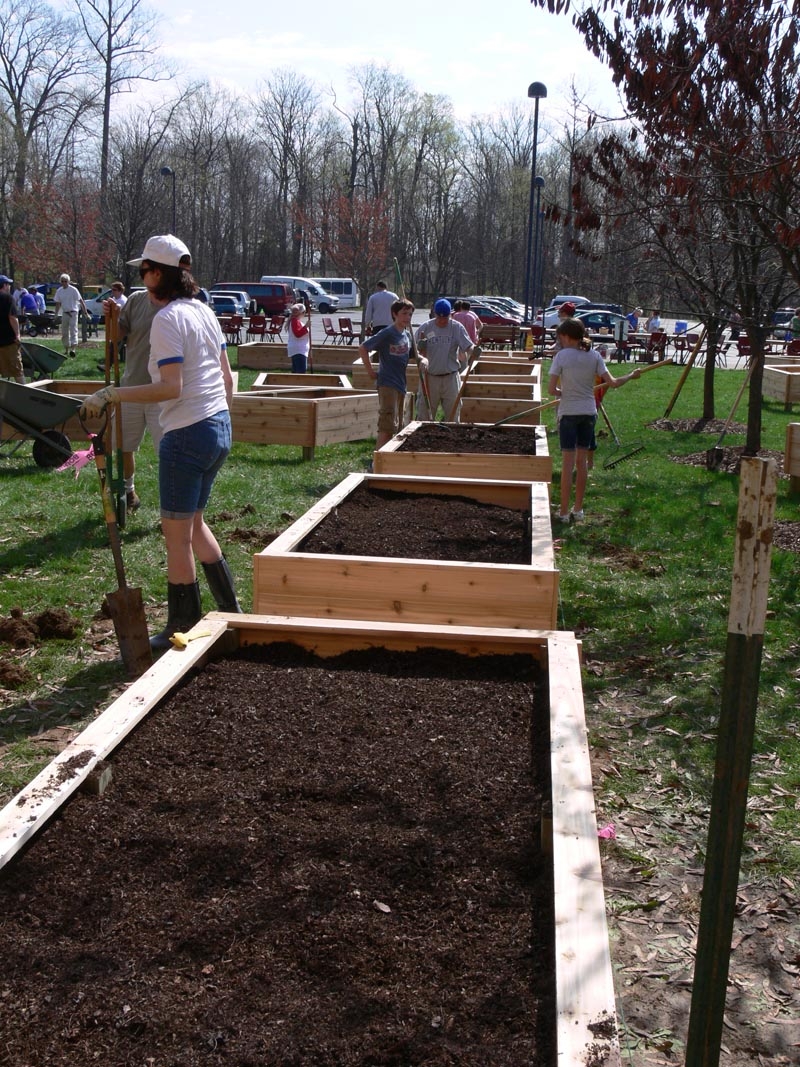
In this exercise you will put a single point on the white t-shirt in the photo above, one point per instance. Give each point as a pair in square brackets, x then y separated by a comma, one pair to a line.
[187, 332]
[577, 371]
[69, 298]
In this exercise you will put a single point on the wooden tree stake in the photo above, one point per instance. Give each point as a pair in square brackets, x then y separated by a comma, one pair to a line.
[737, 719]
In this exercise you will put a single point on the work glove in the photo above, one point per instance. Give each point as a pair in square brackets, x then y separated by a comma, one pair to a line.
[97, 403]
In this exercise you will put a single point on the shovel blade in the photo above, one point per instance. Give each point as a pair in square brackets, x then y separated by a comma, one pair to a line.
[126, 608]
[714, 458]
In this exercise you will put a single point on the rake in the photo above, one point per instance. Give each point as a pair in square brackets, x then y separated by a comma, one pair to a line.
[615, 459]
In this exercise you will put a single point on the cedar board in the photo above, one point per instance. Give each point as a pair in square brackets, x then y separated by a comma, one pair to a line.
[289, 581]
[782, 383]
[485, 466]
[584, 979]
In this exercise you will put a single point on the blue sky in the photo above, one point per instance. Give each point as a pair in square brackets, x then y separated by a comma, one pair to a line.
[482, 55]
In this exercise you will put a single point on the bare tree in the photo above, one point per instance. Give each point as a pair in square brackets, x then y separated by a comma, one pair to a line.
[121, 33]
[44, 73]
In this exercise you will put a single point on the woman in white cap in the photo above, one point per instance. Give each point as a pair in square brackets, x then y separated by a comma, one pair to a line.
[192, 380]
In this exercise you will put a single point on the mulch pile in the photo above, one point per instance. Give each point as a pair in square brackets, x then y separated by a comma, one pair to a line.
[299, 862]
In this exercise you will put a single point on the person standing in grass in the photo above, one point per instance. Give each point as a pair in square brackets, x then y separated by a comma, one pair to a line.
[299, 342]
[395, 346]
[574, 375]
[191, 379]
[10, 359]
[69, 302]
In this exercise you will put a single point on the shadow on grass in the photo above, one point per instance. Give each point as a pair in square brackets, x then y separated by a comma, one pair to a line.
[66, 542]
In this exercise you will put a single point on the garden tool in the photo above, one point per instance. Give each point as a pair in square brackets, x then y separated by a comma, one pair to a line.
[715, 455]
[125, 605]
[115, 474]
[615, 459]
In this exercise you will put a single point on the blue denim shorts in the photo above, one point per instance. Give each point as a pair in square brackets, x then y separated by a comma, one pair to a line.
[188, 462]
[576, 431]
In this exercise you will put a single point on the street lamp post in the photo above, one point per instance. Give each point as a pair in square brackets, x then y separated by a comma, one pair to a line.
[538, 245]
[538, 91]
[168, 172]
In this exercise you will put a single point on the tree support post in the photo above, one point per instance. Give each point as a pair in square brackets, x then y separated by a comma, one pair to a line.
[737, 719]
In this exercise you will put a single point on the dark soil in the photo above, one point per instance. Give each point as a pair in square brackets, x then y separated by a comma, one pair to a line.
[470, 438]
[368, 521]
[299, 862]
[18, 633]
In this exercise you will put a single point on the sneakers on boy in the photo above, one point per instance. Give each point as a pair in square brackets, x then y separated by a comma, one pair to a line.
[577, 515]
[563, 518]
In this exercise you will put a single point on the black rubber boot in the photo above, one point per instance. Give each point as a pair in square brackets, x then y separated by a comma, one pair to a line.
[220, 582]
[183, 611]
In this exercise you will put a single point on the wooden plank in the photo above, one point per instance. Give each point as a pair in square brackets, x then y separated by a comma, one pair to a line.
[491, 410]
[584, 983]
[23, 816]
[791, 460]
[280, 379]
[435, 592]
[500, 388]
[293, 582]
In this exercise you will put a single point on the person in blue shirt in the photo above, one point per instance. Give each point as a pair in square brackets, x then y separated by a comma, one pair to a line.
[633, 318]
[395, 346]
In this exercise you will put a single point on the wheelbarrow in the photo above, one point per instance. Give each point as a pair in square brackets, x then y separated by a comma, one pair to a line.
[26, 412]
[44, 323]
[39, 361]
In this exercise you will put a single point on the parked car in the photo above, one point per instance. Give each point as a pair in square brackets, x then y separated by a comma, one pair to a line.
[316, 295]
[493, 316]
[505, 305]
[780, 321]
[266, 298]
[603, 322]
[616, 308]
[240, 299]
[225, 304]
[94, 305]
[557, 301]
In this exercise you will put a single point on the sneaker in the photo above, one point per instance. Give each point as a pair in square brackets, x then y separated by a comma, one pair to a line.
[71, 355]
[577, 515]
[563, 518]
[132, 500]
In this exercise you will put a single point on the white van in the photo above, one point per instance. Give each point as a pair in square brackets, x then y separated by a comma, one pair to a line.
[322, 301]
[345, 288]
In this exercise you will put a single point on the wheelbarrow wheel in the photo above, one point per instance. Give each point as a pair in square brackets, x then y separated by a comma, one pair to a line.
[51, 449]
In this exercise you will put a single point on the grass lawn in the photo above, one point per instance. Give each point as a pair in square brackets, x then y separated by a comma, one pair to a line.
[645, 582]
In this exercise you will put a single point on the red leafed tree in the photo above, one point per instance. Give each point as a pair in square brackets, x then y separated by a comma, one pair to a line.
[60, 231]
[713, 90]
[353, 235]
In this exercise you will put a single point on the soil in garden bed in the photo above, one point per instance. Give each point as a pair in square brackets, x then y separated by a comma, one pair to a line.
[299, 862]
[382, 522]
[472, 439]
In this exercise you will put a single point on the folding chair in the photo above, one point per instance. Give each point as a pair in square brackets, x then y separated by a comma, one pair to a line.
[273, 330]
[330, 332]
[256, 328]
[346, 331]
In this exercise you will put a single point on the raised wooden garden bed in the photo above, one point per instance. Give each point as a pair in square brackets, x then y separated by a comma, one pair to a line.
[465, 450]
[326, 564]
[502, 387]
[491, 366]
[330, 860]
[260, 355]
[492, 409]
[362, 380]
[783, 383]
[282, 380]
[307, 417]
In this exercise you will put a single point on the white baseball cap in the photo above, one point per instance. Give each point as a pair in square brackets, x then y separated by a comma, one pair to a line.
[165, 249]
